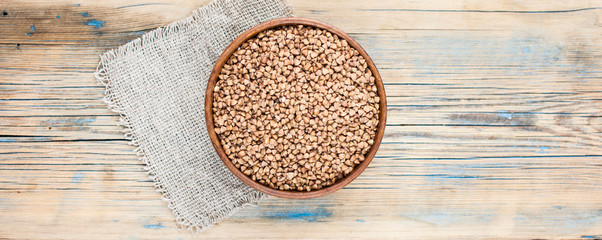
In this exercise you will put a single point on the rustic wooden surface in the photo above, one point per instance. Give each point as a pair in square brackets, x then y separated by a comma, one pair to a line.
[494, 128]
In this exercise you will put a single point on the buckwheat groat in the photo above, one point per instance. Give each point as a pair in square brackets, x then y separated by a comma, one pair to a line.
[296, 108]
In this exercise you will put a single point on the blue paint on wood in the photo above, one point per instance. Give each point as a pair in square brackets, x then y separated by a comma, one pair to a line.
[7, 140]
[7, 204]
[505, 114]
[489, 166]
[592, 236]
[502, 118]
[32, 28]
[361, 220]
[143, 4]
[566, 221]
[85, 14]
[57, 16]
[543, 149]
[70, 122]
[463, 177]
[77, 177]
[310, 215]
[455, 55]
[557, 207]
[154, 226]
[29, 34]
[93, 22]
[84, 120]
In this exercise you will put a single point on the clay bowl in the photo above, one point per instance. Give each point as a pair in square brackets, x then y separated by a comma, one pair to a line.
[209, 112]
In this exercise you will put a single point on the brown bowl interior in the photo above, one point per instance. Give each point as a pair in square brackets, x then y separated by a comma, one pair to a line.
[209, 111]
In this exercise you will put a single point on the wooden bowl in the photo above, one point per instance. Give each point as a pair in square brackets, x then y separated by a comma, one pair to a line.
[209, 110]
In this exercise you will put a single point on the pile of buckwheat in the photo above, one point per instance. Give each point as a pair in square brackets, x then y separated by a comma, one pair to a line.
[296, 108]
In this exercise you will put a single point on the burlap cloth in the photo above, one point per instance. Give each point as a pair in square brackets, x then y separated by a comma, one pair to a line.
[157, 85]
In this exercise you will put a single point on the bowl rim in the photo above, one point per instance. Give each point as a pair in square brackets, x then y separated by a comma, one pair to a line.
[358, 169]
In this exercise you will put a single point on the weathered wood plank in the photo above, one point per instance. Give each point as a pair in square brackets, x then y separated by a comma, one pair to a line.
[494, 128]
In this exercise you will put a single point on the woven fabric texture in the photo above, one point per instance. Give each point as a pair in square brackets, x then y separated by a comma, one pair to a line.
[157, 85]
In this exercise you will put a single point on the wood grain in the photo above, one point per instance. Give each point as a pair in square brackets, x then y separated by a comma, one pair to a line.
[494, 125]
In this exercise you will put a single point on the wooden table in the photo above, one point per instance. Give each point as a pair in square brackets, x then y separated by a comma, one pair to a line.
[494, 128]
